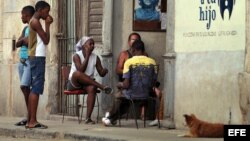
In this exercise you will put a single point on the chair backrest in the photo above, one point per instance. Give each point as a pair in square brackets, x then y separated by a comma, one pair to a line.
[65, 74]
[142, 79]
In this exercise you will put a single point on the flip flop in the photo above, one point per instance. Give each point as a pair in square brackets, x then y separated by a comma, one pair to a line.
[22, 122]
[89, 121]
[38, 126]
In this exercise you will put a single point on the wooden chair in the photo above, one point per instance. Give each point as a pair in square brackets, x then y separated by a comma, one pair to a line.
[75, 93]
[142, 72]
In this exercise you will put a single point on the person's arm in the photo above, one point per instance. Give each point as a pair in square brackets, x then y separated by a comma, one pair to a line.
[126, 75]
[123, 85]
[80, 66]
[102, 71]
[120, 62]
[158, 92]
[21, 40]
[44, 35]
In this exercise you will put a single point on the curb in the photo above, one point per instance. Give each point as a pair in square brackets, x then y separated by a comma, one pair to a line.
[35, 134]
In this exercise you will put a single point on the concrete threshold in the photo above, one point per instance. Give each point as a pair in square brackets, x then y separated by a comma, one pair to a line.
[71, 130]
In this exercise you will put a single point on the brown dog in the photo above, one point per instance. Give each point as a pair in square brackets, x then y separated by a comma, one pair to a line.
[199, 128]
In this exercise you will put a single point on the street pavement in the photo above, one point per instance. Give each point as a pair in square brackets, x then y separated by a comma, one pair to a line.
[71, 130]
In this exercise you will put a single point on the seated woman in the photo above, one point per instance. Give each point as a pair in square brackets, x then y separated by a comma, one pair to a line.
[82, 73]
[135, 85]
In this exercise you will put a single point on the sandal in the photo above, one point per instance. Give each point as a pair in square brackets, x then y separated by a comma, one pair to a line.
[22, 122]
[89, 121]
[37, 125]
[108, 90]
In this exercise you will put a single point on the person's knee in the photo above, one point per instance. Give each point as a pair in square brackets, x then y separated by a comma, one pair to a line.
[76, 74]
[23, 88]
[91, 89]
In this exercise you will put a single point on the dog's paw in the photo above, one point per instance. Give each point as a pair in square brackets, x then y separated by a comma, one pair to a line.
[184, 135]
[181, 135]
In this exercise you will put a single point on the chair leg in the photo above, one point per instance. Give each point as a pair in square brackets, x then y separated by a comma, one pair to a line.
[83, 98]
[119, 116]
[134, 113]
[97, 118]
[127, 115]
[65, 107]
[144, 116]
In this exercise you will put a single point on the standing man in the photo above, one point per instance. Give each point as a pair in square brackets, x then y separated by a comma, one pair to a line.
[24, 65]
[38, 39]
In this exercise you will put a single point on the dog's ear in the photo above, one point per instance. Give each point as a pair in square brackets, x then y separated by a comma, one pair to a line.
[185, 115]
[188, 119]
[192, 115]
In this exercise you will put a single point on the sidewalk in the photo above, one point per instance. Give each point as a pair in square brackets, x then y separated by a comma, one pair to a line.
[73, 131]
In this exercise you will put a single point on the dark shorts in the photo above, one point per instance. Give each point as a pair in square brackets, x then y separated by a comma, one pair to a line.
[71, 87]
[37, 66]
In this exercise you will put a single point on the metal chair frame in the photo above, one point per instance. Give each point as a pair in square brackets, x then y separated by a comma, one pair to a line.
[144, 101]
[65, 74]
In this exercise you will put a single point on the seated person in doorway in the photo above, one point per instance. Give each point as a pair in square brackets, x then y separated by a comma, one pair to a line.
[82, 74]
[126, 54]
[133, 86]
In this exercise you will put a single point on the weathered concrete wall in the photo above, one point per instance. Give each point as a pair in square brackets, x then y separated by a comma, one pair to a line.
[244, 82]
[12, 101]
[244, 77]
[207, 85]
[207, 67]
[247, 64]
[1, 31]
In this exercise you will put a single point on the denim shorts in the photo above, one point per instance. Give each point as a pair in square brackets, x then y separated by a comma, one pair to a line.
[37, 66]
[24, 73]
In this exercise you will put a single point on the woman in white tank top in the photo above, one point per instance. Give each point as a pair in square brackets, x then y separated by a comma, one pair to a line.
[82, 73]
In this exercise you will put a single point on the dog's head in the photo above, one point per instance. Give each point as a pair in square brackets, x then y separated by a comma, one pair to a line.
[189, 119]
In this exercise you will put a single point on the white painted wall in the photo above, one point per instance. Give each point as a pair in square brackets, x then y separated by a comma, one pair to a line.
[207, 67]
[12, 100]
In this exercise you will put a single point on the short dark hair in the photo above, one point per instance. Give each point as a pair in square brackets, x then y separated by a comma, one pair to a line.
[138, 45]
[134, 33]
[29, 9]
[41, 5]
